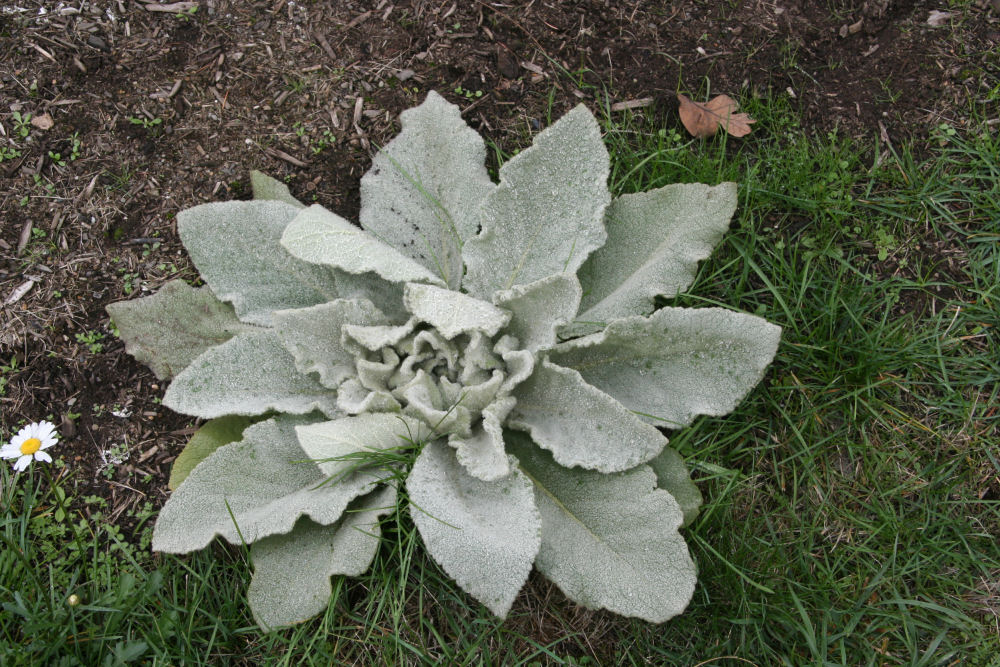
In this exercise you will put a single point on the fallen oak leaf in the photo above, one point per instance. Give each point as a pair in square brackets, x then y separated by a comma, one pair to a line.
[704, 120]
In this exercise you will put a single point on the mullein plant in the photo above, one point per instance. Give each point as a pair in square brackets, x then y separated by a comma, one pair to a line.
[487, 354]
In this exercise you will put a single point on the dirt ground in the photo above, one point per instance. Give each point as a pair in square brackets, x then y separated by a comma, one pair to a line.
[137, 112]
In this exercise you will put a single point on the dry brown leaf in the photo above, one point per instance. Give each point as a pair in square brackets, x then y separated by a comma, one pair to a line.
[43, 122]
[704, 120]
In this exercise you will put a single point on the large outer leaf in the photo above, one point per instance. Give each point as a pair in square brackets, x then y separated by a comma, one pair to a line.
[581, 425]
[235, 246]
[539, 308]
[677, 363]
[319, 236]
[251, 489]
[248, 375]
[452, 313]
[312, 336]
[547, 214]
[483, 534]
[167, 330]
[265, 187]
[609, 541]
[291, 573]
[655, 240]
[423, 192]
[207, 439]
[335, 445]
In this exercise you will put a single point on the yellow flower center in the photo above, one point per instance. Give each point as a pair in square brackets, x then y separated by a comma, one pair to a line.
[30, 446]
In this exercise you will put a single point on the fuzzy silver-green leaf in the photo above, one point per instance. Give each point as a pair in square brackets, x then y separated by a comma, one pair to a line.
[677, 363]
[291, 576]
[310, 335]
[338, 446]
[250, 374]
[265, 187]
[250, 489]
[423, 191]
[319, 236]
[547, 214]
[235, 246]
[655, 240]
[609, 541]
[672, 476]
[581, 425]
[203, 442]
[453, 313]
[538, 309]
[483, 534]
[168, 330]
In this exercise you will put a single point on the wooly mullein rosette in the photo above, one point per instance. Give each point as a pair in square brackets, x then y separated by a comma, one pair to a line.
[493, 345]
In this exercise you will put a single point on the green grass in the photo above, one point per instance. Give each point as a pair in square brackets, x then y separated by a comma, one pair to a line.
[852, 513]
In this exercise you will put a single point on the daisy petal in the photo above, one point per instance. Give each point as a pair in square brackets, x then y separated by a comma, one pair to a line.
[10, 451]
[42, 456]
[22, 463]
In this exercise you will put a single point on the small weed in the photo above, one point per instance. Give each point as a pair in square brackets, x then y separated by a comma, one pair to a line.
[22, 126]
[120, 181]
[92, 339]
[43, 184]
[57, 158]
[150, 125]
[75, 146]
[8, 153]
[943, 134]
[327, 139]
[468, 94]
[111, 457]
[6, 370]
[295, 84]
[187, 14]
[128, 282]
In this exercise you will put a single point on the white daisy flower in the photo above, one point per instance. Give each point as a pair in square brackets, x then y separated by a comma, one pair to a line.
[30, 442]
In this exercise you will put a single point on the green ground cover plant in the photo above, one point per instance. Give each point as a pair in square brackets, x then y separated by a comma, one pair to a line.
[489, 351]
[851, 507]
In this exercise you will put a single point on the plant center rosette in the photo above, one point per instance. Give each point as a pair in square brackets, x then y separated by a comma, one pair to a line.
[488, 353]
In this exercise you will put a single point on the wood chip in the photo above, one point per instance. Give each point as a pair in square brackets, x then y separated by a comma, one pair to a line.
[172, 8]
[358, 106]
[149, 452]
[325, 45]
[632, 104]
[43, 52]
[532, 67]
[167, 94]
[22, 240]
[936, 19]
[282, 155]
[19, 292]
[360, 18]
